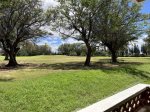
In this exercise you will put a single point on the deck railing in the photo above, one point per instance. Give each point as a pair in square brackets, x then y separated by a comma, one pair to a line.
[129, 100]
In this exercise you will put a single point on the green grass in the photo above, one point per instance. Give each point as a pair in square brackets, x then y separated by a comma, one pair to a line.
[62, 84]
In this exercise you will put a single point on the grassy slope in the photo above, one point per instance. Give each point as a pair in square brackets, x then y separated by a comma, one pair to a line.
[62, 84]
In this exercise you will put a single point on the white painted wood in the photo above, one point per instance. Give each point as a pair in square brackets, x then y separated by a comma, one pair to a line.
[111, 101]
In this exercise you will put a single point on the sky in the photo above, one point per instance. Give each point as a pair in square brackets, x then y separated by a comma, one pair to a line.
[55, 41]
[145, 9]
[146, 6]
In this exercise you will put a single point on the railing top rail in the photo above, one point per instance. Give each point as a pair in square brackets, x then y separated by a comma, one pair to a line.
[112, 101]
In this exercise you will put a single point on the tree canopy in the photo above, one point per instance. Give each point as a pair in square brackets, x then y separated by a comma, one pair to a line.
[21, 20]
[74, 18]
[119, 23]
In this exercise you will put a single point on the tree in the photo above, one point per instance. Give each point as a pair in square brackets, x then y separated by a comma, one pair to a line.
[117, 24]
[3, 3]
[131, 51]
[136, 50]
[76, 49]
[21, 20]
[28, 48]
[3, 52]
[65, 49]
[74, 18]
[146, 46]
[123, 51]
[144, 49]
[44, 49]
[6, 56]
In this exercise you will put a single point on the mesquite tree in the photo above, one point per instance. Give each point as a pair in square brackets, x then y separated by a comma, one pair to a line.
[21, 20]
[74, 18]
[117, 24]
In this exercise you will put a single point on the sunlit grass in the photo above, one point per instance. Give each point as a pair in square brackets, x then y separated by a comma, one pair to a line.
[62, 84]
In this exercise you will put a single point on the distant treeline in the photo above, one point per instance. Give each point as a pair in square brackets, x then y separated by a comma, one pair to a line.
[79, 49]
[31, 49]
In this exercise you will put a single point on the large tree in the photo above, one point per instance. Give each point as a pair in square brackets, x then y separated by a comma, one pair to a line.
[117, 24]
[146, 46]
[74, 18]
[20, 20]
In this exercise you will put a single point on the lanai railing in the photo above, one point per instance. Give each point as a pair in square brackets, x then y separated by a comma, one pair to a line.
[129, 100]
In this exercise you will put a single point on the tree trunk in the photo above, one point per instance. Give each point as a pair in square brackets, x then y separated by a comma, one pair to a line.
[12, 61]
[6, 56]
[88, 55]
[11, 50]
[114, 56]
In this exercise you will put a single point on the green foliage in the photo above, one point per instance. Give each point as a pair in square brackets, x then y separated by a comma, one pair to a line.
[20, 20]
[76, 49]
[75, 18]
[113, 22]
[144, 49]
[124, 51]
[117, 24]
[32, 49]
[146, 46]
[136, 50]
[27, 14]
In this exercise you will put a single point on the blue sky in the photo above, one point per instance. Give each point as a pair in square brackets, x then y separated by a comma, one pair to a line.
[55, 41]
[146, 6]
[145, 9]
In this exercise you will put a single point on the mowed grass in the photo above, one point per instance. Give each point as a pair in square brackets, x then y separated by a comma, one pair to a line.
[63, 84]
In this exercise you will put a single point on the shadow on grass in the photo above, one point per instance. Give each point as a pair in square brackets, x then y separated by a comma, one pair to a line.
[6, 79]
[129, 70]
[105, 65]
[139, 73]
[80, 66]
[125, 67]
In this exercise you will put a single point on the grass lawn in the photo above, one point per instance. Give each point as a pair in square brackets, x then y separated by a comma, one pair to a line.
[62, 84]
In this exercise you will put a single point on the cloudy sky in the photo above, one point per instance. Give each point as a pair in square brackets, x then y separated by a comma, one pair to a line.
[55, 41]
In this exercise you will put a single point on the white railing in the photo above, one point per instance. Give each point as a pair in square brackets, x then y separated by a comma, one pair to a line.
[128, 100]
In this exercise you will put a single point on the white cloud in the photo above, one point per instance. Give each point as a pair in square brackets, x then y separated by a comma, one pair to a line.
[71, 41]
[47, 3]
[138, 42]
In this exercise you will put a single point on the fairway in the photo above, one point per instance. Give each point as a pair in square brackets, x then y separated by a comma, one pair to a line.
[62, 84]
